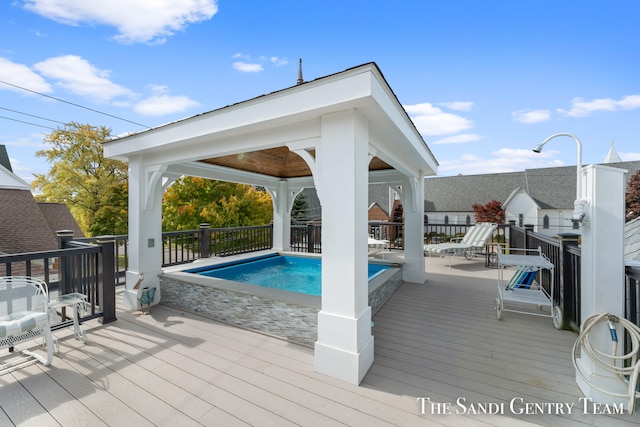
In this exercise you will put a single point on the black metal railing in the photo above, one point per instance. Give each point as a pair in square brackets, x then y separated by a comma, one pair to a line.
[75, 267]
[439, 233]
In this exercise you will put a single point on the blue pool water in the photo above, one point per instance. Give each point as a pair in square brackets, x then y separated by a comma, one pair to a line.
[289, 273]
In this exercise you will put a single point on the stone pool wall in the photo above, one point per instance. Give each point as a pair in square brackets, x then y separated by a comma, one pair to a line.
[284, 314]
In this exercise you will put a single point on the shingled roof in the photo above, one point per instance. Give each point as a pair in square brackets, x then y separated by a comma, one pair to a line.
[23, 227]
[59, 217]
[551, 188]
[26, 226]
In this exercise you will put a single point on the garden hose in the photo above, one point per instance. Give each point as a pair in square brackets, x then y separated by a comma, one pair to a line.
[611, 362]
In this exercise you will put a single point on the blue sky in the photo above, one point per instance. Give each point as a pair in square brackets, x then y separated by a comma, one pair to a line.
[484, 81]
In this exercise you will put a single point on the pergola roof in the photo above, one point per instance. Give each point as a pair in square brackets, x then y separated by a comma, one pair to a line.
[253, 141]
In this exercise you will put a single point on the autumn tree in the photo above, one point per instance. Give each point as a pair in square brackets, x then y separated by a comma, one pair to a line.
[632, 197]
[491, 212]
[191, 201]
[93, 187]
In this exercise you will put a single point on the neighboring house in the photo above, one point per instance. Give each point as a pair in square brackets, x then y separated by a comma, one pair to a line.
[632, 240]
[25, 225]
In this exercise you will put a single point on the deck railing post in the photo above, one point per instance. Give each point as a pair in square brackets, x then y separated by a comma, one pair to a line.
[528, 228]
[204, 238]
[566, 294]
[310, 239]
[65, 276]
[107, 286]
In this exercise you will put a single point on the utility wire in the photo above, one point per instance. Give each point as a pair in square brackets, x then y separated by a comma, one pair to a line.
[75, 105]
[31, 115]
[27, 123]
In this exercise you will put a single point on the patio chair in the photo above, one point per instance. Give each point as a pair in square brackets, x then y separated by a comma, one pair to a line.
[376, 246]
[470, 245]
[24, 315]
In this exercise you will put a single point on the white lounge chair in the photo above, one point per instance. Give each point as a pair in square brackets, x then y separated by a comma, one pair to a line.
[377, 246]
[471, 244]
[24, 315]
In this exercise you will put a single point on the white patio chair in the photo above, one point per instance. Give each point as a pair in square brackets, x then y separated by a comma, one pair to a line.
[24, 315]
[471, 244]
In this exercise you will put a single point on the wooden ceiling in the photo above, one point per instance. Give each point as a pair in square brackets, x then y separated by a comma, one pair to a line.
[278, 162]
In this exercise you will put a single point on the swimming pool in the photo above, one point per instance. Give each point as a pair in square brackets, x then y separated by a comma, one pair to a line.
[286, 272]
[283, 313]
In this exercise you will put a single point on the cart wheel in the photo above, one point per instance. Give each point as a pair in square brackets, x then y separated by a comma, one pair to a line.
[498, 309]
[469, 255]
[556, 313]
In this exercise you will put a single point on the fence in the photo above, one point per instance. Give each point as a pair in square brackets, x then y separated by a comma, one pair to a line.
[75, 267]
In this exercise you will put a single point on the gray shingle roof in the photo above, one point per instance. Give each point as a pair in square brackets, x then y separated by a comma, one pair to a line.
[23, 228]
[59, 217]
[551, 188]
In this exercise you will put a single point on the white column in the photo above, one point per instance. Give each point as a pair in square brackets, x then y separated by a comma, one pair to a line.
[344, 349]
[413, 204]
[282, 202]
[145, 231]
[602, 272]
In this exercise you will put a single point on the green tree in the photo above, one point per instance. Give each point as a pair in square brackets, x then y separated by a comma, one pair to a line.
[93, 187]
[191, 201]
[491, 212]
[300, 208]
[632, 197]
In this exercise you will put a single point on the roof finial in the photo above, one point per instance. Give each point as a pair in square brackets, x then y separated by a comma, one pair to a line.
[300, 79]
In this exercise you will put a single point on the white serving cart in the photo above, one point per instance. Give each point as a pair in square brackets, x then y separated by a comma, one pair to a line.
[523, 287]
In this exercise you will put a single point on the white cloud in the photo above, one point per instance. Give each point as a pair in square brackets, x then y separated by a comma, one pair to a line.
[246, 67]
[531, 116]
[582, 108]
[458, 139]
[80, 77]
[458, 105]
[250, 64]
[159, 105]
[502, 160]
[146, 21]
[430, 120]
[23, 76]
[278, 61]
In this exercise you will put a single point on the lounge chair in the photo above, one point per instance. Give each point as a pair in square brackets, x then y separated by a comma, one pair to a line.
[24, 315]
[471, 244]
[377, 246]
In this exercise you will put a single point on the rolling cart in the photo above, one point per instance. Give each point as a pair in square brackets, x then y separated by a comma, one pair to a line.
[523, 288]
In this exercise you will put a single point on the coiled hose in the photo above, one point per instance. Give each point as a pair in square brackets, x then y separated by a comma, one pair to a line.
[611, 362]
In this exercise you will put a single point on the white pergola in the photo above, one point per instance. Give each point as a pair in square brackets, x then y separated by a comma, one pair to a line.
[338, 134]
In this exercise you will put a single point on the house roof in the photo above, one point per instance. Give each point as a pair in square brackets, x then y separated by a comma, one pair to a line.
[550, 188]
[9, 180]
[26, 226]
[632, 239]
[59, 218]
[23, 227]
[263, 140]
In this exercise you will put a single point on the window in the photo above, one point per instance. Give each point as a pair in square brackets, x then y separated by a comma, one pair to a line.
[520, 220]
[545, 222]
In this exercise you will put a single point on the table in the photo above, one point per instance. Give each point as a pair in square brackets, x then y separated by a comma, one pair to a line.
[78, 302]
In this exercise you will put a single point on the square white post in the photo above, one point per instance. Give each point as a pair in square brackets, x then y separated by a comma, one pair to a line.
[413, 202]
[145, 232]
[282, 202]
[602, 273]
[344, 349]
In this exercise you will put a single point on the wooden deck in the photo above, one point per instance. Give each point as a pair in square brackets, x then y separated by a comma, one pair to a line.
[440, 341]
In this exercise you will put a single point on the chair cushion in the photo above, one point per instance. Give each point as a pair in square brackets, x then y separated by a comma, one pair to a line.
[23, 321]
